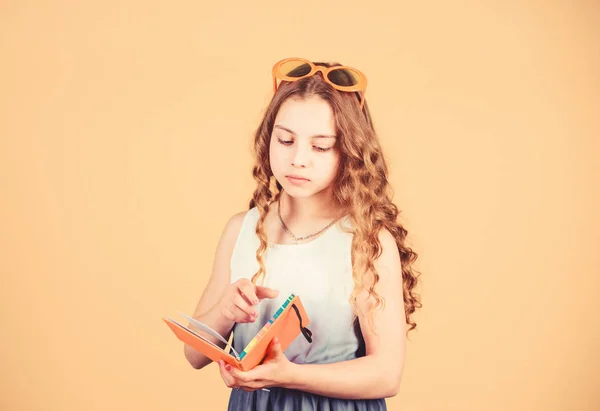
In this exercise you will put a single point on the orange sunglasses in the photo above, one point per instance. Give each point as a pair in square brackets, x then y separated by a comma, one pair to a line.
[342, 78]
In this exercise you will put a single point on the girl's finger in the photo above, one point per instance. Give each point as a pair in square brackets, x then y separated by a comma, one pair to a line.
[235, 314]
[240, 376]
[240, 315]
[242, 379]
[248, 290]
[265, 292]
[225, 375]
[246, 377]
[241, 303]
[227, 314]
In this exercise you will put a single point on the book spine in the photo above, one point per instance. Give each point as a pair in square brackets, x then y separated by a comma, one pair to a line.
[264, 330]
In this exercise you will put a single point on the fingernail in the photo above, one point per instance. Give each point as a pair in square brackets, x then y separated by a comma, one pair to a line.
[255, 301]
[228, 367]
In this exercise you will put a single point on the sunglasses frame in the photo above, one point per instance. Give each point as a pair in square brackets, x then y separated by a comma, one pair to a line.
[360, 86]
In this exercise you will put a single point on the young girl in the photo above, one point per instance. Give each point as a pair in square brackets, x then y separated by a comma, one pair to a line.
[321, 225]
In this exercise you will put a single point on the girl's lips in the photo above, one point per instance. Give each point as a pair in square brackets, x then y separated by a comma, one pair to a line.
[297, 177]
[297, 180]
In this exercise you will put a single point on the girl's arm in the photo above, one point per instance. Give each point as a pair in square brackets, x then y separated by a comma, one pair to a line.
[207, 310]
[367, 377]
[379, 372]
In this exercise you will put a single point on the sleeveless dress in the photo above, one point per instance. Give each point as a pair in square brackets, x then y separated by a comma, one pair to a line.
[320, 272]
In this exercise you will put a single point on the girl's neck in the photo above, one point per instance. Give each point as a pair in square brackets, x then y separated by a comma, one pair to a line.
[316, 207]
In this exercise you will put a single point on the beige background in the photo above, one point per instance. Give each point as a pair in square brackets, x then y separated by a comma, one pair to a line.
[125, 131]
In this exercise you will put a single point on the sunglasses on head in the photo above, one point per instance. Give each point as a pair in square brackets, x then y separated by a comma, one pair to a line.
[342, 78]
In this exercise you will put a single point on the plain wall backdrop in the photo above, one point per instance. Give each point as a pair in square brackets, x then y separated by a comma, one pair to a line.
[125, 135]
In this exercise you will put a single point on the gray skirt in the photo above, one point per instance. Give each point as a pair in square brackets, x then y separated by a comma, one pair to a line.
[283, 399]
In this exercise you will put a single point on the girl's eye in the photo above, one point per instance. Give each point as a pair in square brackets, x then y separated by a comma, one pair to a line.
[290, 142]
[322, 149]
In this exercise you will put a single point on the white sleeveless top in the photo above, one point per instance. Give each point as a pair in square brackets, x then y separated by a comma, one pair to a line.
[320, 272]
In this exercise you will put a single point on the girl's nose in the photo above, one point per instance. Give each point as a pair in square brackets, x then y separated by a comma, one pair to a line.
[301, 157]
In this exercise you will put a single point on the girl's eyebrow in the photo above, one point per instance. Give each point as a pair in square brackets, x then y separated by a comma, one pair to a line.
[294, 134]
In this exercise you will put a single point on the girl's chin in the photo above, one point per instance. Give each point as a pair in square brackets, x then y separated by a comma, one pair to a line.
[300, 192]
[297, 192]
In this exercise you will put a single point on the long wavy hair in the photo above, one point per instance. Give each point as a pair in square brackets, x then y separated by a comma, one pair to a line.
[361, 187]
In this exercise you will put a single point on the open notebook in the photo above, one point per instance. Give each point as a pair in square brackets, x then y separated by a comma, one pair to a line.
[287, 323]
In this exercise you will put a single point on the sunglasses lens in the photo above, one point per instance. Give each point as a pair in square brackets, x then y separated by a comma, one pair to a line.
[295, 68]
[344, 77]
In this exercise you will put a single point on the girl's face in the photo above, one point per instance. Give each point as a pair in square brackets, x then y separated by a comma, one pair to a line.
[303, 154]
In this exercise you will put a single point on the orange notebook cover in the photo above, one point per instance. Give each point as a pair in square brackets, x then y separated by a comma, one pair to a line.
[287, 323]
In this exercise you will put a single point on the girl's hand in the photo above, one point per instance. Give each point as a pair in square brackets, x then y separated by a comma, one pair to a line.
[274, 371]
[238, 302]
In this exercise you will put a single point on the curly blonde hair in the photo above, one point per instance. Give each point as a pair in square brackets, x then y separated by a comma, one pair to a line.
[361, 187]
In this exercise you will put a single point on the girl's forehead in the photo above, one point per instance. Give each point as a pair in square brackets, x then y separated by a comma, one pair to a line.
[306, 117]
